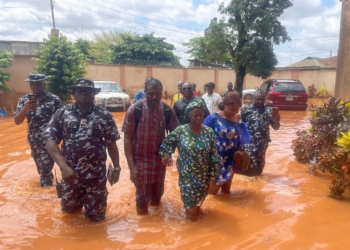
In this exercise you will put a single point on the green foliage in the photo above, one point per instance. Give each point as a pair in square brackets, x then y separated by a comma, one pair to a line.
[250, 30]
[83, 46]
[62, 63]
[322, 93]
[100, 47]
[6, 59]
[144, 48]
[344, 141]
[212, 47]
[319, 143]
[197, 47]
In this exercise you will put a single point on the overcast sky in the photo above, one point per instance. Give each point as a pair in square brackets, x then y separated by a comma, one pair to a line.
[313, 25]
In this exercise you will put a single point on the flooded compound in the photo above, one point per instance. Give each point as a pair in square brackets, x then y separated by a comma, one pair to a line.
[285, 208]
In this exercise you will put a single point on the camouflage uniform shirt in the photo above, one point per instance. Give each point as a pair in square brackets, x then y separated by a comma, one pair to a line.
[38, 118]
[258, 124]
[84, 138]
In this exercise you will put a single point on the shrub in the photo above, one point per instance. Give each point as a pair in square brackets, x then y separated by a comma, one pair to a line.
[311, 91]
[6, 59]
[62, 63]
[322, 93]
[327, 143]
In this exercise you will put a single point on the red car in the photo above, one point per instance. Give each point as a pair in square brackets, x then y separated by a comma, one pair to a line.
[285, 94]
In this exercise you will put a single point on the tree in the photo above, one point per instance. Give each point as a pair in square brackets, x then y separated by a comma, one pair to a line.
[142, 50]
[100, 47]
[212, 47]
[250, 29]
[62, 63]
[197, 47]
[83, 46]
[5, 61]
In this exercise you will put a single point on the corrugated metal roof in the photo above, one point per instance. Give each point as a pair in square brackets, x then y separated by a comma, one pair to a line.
[316, 62]
[20, 48]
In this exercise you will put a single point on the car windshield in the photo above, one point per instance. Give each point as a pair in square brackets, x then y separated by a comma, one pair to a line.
[108, 87]
[287, 87]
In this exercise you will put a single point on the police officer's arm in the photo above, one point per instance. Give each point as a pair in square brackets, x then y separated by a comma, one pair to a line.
[68, 174]
[53, 136]
[113, 153]
[129, 153]
[275, 124]
[24, 108]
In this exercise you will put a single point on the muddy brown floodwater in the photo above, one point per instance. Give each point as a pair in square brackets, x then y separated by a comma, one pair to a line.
[285, 208]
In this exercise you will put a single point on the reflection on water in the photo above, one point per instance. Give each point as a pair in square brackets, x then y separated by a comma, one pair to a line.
[285, 208]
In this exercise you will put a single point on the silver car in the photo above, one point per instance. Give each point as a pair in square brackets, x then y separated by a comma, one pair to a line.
[112, 96]
[248, 94]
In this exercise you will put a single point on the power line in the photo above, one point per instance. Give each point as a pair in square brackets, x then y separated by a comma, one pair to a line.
[95, 4]
[304, 50]
[82, 8]
[153, 14]
[115, 23]
[316, 37]
[42, 6]
[302, 55]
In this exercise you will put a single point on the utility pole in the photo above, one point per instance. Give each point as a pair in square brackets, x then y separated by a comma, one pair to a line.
[54, 31]
[342, 84]
[53, 15]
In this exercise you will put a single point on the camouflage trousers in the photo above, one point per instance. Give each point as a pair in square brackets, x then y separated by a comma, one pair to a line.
[44, 164]
[90, 194]
[257, 157]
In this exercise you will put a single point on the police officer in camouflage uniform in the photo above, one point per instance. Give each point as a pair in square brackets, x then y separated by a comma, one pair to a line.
[86, 131]
[38, 112]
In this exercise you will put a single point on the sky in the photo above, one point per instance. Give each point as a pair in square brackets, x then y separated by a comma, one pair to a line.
[313, 25]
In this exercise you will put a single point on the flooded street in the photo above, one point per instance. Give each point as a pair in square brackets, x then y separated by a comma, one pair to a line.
[285, 208]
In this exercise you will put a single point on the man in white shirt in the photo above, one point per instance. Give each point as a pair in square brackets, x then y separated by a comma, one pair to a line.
[211, 98]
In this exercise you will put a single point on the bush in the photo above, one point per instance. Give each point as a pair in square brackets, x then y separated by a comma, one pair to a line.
[62, 63]
[6, 59]
[311, 91]
[327, 143]
[322, 93]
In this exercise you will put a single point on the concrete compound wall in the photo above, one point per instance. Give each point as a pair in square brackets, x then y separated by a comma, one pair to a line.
[132, 78]
[103, 72]
[19, 72]
[324, 78]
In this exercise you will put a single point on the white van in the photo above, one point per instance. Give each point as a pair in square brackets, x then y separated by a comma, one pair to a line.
[112, 96]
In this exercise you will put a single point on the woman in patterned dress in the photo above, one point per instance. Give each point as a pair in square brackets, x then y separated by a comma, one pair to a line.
[197, 162]
[230, 135]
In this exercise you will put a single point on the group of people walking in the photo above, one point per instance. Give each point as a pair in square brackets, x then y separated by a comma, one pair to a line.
[213, 137]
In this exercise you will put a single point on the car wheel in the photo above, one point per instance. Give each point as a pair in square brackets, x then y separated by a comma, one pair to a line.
[248, 97]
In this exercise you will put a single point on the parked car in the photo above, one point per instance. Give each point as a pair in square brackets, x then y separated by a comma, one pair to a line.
[285, 94]
[112, 96]
[248, 94]
[282, 93]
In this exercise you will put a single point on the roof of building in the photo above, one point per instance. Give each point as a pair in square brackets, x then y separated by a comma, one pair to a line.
[316, 62]
[20, 48]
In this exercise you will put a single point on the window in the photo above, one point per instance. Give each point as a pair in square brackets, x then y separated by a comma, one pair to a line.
[108, 87]
[264, 86]
[287, 87]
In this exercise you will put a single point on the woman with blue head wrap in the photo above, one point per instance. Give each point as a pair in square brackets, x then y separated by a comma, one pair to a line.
[197, 161]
